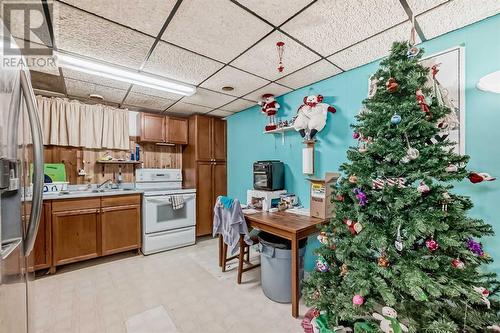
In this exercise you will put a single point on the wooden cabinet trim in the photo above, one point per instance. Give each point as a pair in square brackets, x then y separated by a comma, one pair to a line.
[75, 204]
[120, 200]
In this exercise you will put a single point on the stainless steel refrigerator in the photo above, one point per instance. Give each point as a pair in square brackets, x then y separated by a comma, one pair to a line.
[20, 193]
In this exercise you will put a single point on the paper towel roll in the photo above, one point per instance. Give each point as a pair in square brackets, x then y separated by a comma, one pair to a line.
[308, 160]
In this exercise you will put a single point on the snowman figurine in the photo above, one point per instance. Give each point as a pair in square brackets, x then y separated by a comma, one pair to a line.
[389, 322]
[311, 116]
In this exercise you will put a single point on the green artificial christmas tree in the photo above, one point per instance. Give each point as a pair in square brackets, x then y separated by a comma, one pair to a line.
[400, 239]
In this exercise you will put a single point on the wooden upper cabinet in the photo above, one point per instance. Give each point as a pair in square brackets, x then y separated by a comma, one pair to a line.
[152, 128]
[176, 130]
[159, 129]
[203, 145]
[218, 139]
[210, 136]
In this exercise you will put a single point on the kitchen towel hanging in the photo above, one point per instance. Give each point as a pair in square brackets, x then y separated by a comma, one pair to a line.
[177, 201]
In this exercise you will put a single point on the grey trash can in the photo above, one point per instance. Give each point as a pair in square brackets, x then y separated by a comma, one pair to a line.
[276, 266]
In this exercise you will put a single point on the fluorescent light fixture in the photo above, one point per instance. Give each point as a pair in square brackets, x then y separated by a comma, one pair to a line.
[118, 73]
[490, 82]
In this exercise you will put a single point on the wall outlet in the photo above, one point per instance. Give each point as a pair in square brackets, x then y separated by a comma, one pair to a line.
[81, 172]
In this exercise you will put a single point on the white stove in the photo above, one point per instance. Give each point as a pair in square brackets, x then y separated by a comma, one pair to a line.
[168, 210]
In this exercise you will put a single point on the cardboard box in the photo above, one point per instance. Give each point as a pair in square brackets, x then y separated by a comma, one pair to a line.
[321, 193]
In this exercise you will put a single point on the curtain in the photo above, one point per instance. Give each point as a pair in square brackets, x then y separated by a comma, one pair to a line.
[91, 122]
[72, 123]
[115, 129]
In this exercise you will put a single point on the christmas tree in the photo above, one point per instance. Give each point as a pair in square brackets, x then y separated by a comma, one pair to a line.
[400, 239]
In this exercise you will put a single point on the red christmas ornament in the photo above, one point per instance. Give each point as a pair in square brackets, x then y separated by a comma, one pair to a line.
[354, 227]
[477, 177]
[392, 85]
[457, 263]
[280, 46]
[339, 198]
[431, 244]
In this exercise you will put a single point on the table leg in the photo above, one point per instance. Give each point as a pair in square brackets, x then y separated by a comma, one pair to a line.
[220, 250]
[295, 277]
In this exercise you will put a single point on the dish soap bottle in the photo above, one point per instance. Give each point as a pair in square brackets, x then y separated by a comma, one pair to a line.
[137, 152]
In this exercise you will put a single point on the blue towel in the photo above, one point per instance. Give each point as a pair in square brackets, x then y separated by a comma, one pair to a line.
[226, 202]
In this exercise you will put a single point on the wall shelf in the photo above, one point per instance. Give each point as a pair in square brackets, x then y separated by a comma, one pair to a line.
[281, 131]
[119, 162]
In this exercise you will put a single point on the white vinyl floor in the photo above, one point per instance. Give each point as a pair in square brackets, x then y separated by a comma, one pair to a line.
[176, 291]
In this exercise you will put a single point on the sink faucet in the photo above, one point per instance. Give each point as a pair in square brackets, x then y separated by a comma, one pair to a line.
[104, 183]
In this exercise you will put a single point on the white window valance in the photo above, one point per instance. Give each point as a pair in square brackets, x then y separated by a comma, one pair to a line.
[72, 123]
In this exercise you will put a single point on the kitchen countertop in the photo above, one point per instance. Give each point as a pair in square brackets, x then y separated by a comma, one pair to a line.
[87, 194]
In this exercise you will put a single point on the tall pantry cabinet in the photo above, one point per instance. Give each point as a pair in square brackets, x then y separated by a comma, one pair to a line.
[204, 166]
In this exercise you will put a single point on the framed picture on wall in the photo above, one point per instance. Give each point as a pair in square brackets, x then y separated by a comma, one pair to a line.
[451, 77]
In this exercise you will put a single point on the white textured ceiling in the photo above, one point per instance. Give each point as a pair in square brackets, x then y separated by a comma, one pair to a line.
[329, 26]
[216, 28]
[216, 43]
[152, 12]
[262, 59]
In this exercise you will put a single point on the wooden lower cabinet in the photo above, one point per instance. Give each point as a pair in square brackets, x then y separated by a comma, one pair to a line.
[211, 182]
[119, 228]
[76, 235]
[87, 228]
[41, 256]
[204, 194]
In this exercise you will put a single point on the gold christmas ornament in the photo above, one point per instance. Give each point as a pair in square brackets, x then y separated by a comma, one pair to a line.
[383, 261]
[344, 270]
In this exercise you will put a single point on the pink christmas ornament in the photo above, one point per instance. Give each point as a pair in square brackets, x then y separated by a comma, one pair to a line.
[358, 300]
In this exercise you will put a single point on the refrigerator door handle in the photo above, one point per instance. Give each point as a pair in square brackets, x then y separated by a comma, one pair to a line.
[36, 134]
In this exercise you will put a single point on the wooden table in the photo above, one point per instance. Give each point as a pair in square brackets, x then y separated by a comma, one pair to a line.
[290, 226]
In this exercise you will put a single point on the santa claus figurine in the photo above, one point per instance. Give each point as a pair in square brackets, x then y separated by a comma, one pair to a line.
[269, 107]
[422, 102]
[311, 116]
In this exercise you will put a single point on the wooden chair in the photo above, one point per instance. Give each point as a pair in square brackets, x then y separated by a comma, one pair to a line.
[244, 251]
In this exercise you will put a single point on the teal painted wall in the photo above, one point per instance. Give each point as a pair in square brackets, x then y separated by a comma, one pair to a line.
[247, 143]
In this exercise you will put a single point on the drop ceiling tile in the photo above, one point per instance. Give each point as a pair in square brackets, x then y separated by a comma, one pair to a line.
[154, 92]
[371, 49]
[126, 12]
[147, 101]
[47, 82]
[275, 11]
[208, 98]
[242, 82]
[329, 26]
[312, 73]
[262, 59]
[187, 109]
[220, 30]
[80, 76]
[84, 89]
[178, 64]
[85, 34]
[238, 105]
[420, 6]
[271, 88]
[40, 63]
[456, 14]
[220, 113]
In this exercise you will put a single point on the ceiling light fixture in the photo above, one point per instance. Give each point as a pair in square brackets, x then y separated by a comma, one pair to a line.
[123, 74]
[227, 88]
